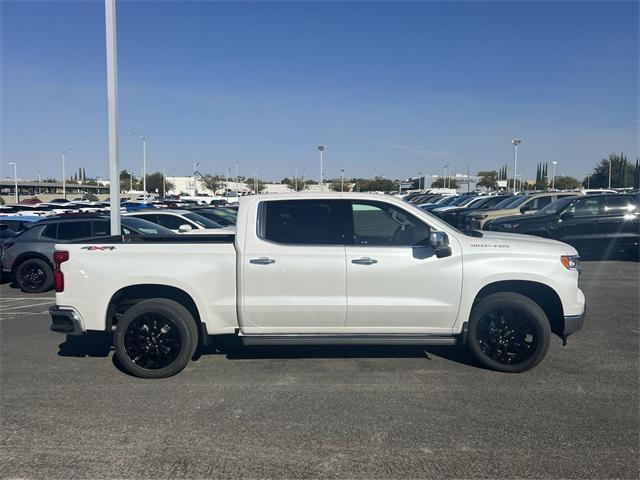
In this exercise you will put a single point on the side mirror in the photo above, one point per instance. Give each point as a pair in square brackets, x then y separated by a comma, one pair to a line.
[566, 215]
[184, 228]
[525, 209]
[439, 241]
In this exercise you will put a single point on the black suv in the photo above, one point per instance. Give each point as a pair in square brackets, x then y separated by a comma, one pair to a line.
[593, 224]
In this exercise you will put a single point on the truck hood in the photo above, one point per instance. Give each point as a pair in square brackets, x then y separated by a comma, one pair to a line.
[518, 243]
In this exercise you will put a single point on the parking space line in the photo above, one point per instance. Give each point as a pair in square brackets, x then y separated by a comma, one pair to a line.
[24, 306]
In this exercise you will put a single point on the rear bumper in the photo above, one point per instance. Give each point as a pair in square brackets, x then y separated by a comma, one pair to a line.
[65, 320]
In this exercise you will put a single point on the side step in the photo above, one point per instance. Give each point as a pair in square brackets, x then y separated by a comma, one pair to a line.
[346, 339]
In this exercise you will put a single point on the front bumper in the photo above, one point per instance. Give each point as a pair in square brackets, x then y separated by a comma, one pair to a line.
[573, 323]
[65, 320]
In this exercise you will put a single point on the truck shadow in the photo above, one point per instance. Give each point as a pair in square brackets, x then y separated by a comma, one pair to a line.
[101, 345]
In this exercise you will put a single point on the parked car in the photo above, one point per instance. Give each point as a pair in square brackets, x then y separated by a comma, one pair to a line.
[456, 215]
[450, 200]
[18, 223]
[328, 268]
[467, 201]
[223, 218]
[594, 224]
[28, 257]
[520, 205]
[182, 221]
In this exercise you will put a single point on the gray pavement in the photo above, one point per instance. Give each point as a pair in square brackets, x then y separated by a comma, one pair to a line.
[68, 412]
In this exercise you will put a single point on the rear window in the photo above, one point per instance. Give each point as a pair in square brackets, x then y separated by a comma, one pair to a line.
[302, 222]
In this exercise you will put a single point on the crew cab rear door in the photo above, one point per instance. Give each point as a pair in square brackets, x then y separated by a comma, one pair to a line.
[395, 282]
[293, 268]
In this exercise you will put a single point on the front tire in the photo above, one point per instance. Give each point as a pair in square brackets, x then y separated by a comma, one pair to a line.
[34, 275]
[156, 338]
[508, 332]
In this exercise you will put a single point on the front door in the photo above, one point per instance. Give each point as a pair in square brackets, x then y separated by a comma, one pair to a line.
[395, 282]
[293, 275]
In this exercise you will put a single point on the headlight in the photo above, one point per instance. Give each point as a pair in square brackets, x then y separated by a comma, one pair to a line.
[479, 217]
[571, 262]
[509, 226]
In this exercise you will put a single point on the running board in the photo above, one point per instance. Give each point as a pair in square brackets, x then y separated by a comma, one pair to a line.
[347, 340]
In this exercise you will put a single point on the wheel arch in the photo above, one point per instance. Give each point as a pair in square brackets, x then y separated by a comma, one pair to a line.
[127, 296]
[23, 257]
[544, 295]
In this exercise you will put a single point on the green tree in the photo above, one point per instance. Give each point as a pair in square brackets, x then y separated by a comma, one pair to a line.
[567, 183]
[488, 179]
[154, 181]
[212, 182]
[442, 182]
[622, 172]
[251, 184]
[296, 184]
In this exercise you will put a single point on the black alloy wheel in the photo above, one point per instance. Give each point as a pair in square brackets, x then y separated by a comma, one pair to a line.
[507, 336]
[508, 332]
[34, 276]
[152, 341]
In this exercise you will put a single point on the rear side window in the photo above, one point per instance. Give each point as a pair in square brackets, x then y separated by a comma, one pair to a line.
[50, 231]
[619, 205]
[585, 207]
[74, 230]
[302, 222]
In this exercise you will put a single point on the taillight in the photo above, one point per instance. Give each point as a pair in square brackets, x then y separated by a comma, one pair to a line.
[59, 257]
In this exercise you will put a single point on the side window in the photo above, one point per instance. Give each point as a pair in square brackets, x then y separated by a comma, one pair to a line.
[619, 205]
[585, 207]
[302, 222]
[74, 230]
[50, 231]
[538, 203]
[377, 223]
[101, 229]
[172, 222]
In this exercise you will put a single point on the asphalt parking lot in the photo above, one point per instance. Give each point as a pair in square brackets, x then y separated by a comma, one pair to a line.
[69, 412]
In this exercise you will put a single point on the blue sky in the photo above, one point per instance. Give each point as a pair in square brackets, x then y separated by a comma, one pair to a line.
[391, 88]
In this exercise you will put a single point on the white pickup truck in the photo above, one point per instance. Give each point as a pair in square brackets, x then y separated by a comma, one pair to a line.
[311, 269]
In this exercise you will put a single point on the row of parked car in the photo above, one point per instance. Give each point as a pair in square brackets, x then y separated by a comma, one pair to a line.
[28, 241]
[596, 223]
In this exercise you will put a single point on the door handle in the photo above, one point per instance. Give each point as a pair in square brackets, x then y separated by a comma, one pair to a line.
[262, 261]
[364, 261]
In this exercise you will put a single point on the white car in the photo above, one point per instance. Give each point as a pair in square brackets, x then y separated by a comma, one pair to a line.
[182, 221]
[310, 269]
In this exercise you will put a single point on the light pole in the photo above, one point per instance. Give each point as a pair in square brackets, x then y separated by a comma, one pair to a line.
[321, 149]
[419, 180]
[255, 182]
[342, 180]
[164, 182]
[553, 179]
[610, 172]
[144, 162]
[237, 184]
[130, 172]
[226, 181]
[64, 175]
[295, 178]
[15, 179]
[444, 179]
[588, 178]
[516, 142]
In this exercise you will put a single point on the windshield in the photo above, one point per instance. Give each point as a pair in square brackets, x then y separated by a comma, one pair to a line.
[202, 221]
[145, 227]
[555, 207]
[468, 200]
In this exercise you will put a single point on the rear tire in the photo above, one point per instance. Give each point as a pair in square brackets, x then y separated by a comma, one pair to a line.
[508, 332]
[34, 275]
[155, 338]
